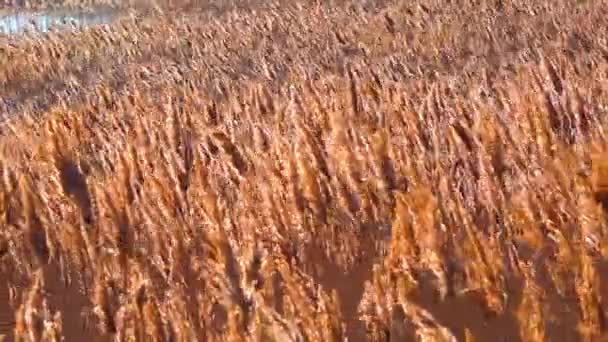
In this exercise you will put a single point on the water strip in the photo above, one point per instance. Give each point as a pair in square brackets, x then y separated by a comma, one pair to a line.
[19, 22]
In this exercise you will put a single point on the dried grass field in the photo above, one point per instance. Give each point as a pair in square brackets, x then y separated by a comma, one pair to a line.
[380, 170]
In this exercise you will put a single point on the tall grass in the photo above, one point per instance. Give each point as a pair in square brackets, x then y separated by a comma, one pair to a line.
[307, 171]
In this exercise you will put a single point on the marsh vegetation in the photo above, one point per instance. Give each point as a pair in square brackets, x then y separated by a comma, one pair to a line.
[308, 171]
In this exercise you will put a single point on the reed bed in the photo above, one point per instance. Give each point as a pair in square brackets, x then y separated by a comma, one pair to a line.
[310, 171]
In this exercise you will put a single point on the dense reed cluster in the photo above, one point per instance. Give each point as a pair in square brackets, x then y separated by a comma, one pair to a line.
[308, 171]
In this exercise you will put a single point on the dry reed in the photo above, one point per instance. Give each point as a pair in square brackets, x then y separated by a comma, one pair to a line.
[305, 171]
